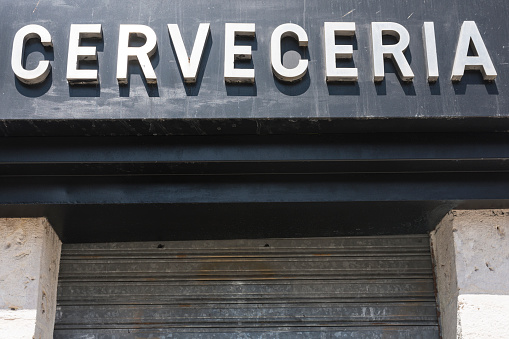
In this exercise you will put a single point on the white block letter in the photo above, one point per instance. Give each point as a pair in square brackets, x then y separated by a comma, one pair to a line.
[189, 65]
[142, 53]
[381, 51]
[333, 51]
[40, 73]
[430, 51]
[481, 61]
[280, 71]
[77, 53]
[233, 52]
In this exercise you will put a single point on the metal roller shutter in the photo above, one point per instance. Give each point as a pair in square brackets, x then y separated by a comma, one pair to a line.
[353, 287]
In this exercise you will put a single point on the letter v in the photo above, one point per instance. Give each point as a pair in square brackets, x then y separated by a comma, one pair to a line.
[189, 65]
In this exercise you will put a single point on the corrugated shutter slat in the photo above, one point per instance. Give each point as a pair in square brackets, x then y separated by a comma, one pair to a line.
[355, 287]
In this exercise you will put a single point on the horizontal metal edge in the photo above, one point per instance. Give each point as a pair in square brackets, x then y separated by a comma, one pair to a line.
[259, 277]
[368, 243]
[415, 329]
[202, 168]
[255, 148]
[317, 332]
[207, 302]
[253, 188]
[94, 258]
[261, 126]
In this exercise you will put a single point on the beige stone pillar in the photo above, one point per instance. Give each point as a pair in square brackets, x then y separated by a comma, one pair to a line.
[29, 262]
[471, 255]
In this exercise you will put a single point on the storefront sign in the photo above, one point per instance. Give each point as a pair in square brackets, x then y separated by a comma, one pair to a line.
[189, 64]
[194, 62]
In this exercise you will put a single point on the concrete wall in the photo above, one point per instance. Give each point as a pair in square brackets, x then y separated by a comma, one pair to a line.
[29, 262]
[471, 253]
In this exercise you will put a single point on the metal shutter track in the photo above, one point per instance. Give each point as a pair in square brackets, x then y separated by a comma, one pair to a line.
[354, 287]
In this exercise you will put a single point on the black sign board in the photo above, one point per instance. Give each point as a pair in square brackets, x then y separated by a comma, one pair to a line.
[211, 104]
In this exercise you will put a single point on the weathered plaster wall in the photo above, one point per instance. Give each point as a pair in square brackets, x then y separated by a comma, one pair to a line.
[445, 270]
[29, 261]
[471, 251]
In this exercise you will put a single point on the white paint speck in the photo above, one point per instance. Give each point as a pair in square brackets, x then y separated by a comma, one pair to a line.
[36, 6]
[348, 13]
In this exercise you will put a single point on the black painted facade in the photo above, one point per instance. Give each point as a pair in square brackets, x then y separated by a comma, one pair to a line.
[214, 160]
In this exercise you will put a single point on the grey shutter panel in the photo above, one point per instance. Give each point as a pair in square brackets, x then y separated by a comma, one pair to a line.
[352, 287]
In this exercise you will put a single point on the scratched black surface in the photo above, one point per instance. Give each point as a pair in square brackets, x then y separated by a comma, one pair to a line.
[210, 106]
